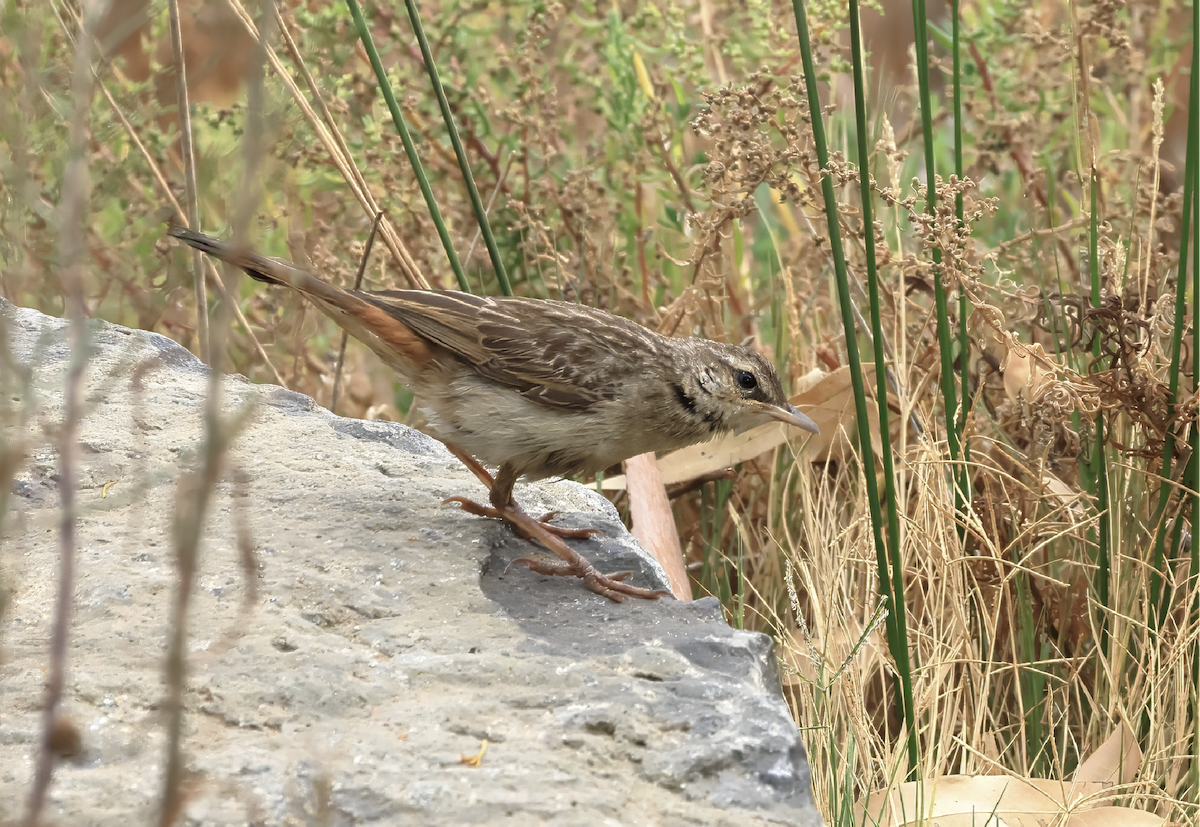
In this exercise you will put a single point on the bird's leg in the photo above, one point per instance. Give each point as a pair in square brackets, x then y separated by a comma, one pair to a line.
[500, 495]
[504, 507]
[574, 564]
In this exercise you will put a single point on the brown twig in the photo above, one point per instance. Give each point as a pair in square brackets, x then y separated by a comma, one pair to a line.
[684, 193]
[343, 160]
[161, 181]
[71, 253]
[362, 268]
[189, 178]
[679, 489]
[1019, 158]
[642, 235]
[502, 177]
[196, 488]
[191, 506]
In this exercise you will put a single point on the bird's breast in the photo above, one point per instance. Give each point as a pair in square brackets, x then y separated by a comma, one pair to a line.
[500, 426]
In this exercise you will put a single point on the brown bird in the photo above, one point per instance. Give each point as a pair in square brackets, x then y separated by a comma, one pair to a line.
[541, 388]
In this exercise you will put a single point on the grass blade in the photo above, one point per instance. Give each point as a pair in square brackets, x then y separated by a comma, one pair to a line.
[941, 302]
[410, 149]
[893, 589]
[476, 202]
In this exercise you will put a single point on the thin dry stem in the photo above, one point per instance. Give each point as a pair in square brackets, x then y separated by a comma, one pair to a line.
[72, 210]
[179, 214]
[342, 159]
[189, 178]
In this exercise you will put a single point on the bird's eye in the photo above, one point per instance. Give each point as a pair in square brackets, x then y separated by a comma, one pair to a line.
[747, 380]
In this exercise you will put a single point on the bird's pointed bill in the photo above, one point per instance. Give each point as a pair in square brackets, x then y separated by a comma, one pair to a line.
[790, 416]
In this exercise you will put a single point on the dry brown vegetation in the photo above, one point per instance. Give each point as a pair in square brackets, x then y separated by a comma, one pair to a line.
[655, 159]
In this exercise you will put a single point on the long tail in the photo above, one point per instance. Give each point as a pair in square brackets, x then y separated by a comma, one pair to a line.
[260, 268]
[393, 341]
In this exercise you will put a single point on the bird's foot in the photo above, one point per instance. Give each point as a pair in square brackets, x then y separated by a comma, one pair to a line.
[574, 564]
[472, 507]
[611, 586]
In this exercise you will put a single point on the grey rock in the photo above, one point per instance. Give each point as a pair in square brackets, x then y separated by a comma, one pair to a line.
[378, 637]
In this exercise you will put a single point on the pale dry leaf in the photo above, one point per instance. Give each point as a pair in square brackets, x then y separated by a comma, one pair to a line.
[1116, 761]
[1117, 817]
[839, 645]
[994, 800]
[1024, 374]
[828, 399]
[1071, 498]
[698, 460]
[1028, 371]
[1017, 369]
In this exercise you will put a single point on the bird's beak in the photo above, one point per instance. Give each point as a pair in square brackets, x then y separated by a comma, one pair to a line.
[788, 415]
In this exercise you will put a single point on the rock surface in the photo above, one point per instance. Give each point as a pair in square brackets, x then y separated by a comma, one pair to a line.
[381, 638]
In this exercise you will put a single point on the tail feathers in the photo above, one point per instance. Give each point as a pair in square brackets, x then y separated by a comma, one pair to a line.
[259, 268]
[388, 337]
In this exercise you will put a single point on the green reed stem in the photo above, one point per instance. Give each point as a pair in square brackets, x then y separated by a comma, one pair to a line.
[964, 341]
[1159, 598]
[364, 34]
[896, 579]
[1192, 175]
[485, 226]
[891, 585]
[945, 352]
[1098, 465]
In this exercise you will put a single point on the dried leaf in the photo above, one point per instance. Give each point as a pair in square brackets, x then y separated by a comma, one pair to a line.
[828, 398]
[994, 800]
[1116, 817]
[1115, 762]
[1017, 369]
[1028, 371]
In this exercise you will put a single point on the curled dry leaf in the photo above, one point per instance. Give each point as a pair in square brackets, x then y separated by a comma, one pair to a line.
[1027, 369]
[970, 801]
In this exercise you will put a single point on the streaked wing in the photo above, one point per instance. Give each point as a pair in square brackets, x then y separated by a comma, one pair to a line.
[444, 317]
[554, 353]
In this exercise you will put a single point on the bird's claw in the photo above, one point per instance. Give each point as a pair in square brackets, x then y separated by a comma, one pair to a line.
[606, 585]
[472, 507]
[574, 564]
[569, 533]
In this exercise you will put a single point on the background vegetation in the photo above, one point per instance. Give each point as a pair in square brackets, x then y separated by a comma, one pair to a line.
[657, 159]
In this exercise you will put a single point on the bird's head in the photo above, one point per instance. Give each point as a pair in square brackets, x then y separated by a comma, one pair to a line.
[735, 388]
